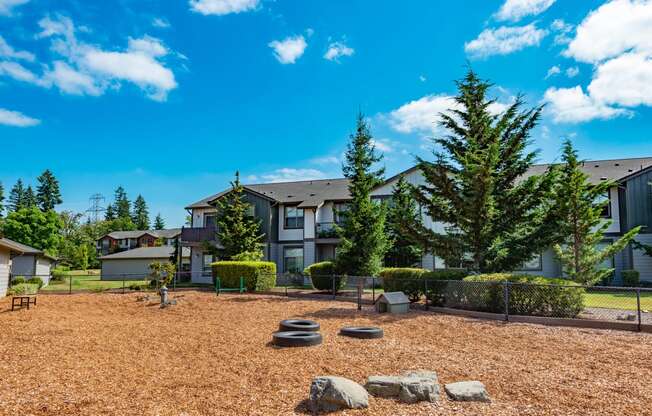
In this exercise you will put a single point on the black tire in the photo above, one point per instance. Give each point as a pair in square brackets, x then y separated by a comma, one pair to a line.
[296, 339]
[364, 332]
[303, 325]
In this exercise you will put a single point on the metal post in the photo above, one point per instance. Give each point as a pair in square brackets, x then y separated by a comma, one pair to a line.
[360, 290]
[638, 307]
[333, 277]
[425, 284]
[174, 282]
[217, 286]
[506, 299]
[70, 285]
[123, 285]
[373, 289]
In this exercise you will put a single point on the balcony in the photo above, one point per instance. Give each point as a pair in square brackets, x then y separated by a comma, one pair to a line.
[326, 233]
[197, 235]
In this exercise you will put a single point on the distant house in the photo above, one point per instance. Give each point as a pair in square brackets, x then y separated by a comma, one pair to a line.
[32, 263]
[8, 249]
[134, 264]
[118, 241]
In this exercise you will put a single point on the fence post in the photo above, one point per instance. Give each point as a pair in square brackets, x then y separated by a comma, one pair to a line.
[373, 289]
[333, 277]
[506, 299]
[638, 307]
[123, 285]
[360, 291]
[425, 287]
[217, 286]
[70, 285]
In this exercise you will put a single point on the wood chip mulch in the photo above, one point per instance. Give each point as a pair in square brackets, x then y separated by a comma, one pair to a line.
[107, 354]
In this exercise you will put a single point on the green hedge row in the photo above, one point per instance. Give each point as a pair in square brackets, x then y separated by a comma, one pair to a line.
[631, 278]
[259, 276]
[413, 281]
[322, 275]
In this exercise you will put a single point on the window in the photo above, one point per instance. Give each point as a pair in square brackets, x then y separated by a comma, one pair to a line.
[535, 264]
[293, 217]
[207, 259]
[292, 259]
[251, 210]
[606, 209]
[209, 220]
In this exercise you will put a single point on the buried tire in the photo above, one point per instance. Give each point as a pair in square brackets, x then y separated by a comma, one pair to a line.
[363, 332]
[303, 325]
[296, 338]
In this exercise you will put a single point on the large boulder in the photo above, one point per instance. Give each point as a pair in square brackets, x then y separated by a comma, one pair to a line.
[467, 391]
[331, 393]
[412, 387]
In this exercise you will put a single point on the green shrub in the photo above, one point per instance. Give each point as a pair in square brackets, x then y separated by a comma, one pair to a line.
[36, 281]
[322, 275]
[258, 275]
[528, 295]
[631, 278]
[59, 273]
[439, 291]
[22, 289]
[18, 280]
[404, 279]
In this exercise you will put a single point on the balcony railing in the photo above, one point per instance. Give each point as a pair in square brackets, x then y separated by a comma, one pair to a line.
[197, 234]
[326, 230]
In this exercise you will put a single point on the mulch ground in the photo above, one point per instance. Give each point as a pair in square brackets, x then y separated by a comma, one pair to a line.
[107, 354]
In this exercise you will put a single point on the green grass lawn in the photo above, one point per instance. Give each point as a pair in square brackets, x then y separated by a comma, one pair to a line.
[88, 281]
[617, 300]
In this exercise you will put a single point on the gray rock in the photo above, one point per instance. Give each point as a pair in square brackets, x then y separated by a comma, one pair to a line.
[412, 387]
[626, 317]
[467, 391]
[331, 393]
[384, 386]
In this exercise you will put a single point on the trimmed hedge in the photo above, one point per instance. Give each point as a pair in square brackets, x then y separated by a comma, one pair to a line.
[408, 280]
[631, 278]
[259, 276]
[322, 275]
[528, 295]
[36, 281]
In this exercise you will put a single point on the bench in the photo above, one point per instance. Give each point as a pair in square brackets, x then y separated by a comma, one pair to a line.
[22, 301]
[219, 289]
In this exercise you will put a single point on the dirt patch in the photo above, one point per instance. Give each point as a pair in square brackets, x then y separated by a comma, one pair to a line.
[104, 354]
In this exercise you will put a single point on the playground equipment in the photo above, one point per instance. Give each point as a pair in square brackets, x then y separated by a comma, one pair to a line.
[219, 289]
[363, 332]
[304, 325]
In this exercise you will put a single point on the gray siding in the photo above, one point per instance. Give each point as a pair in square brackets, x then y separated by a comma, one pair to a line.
[4, 271]
[550, 267]
[642, 262]
[639, 202]
[24, 265]
[134, 269]
[262, 212]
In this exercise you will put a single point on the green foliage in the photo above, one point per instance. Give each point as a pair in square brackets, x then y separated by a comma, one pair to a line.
[237, 232]
[2, 199]
[363, 241]
[259, 276]
[446, 274]
[581, 225]
[29, 198]
[140, 216]
[402, 215]
[59, 273]
[17, 196]
[109, 214]
[496, 216]
[631, 278]
[36, 281]
[404, 279]
[23, 289]
[121, 205]
[322, 275]
[249, 256]
[159, 224]
[528, 295]
[48, 194]
[161, 273]
[34, 228]
[18, 280]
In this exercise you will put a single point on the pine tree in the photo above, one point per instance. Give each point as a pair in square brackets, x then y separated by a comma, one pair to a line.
[109, 214]
[580, 206]
[121, 205]
[48, 194]
[402, 215]
[17, 196]
[29, 198]
[141, 214]
[497, 219]
[2, 199]
[237, 232]
[159, 224]
[363, 240]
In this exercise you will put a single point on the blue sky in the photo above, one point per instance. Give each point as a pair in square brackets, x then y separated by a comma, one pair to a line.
[169, 98]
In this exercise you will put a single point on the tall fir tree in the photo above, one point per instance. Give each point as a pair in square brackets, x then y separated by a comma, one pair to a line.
[402, 215]
[497, 218]
[109, 214]
[30, 198]
[48, 194]
[2, 200]
[363, 240]
[580, 205]
[17, 196]
[159, 224]
[140, 215]
[236, 231]
[121, 204]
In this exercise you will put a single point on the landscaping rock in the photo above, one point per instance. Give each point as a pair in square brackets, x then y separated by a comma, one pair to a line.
[384, 386]
[467, 391]
[626, 317]
[412, 387]
[331, 393]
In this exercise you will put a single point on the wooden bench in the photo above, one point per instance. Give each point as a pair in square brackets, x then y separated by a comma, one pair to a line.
[22, 301]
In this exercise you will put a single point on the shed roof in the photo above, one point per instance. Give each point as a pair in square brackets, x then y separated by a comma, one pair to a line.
[119, 235]
[394, 298]
[162, 252]
[23, 249]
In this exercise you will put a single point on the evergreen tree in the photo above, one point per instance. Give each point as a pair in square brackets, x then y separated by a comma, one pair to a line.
[236, 231]
[402, 215]
[17, 196]
[159, 224]
[580, 205]
[363, 240]
[30, 198]
[2, 199]
[140, 216]
[496, 217]
[48, 194]
[109, 214]
[121, 205]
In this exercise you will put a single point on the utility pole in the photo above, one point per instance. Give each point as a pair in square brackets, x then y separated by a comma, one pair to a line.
[96, 208]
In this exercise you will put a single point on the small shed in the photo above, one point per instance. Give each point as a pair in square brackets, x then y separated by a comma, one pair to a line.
[392, 302]
[134, 264]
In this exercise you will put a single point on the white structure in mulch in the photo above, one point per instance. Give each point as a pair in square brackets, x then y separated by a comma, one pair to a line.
[392, 302]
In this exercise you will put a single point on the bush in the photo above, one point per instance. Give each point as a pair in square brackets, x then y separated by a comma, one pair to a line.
[18, 280]
[59, 273]
[258, 275]
[439, 290]
[404, 279]
[36, 281]
[631, 278]
[322, 275]
[22, 289]
[528, 295]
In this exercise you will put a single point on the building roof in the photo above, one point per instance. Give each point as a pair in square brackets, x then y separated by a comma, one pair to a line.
[23, 248]
[119, 235]
[602, 170]
[161, 252]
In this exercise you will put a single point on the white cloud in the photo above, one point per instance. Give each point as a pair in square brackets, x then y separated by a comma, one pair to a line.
[16, 119]
[71, 81]
[6, 6]
[572, 105]
[337, 50]
[222, 7]
[326, 160]
[384, 145]
[18, 72]
[572, 72]
[6, 51]
[562, 30]
[614, 28]
[515, 10]
[504, 40]
[292, 174]
[625, 81]
[160, 22]
[288, 50]
[554, 70]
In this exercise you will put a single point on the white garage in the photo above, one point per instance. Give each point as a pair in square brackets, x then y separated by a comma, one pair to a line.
[134, 264]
